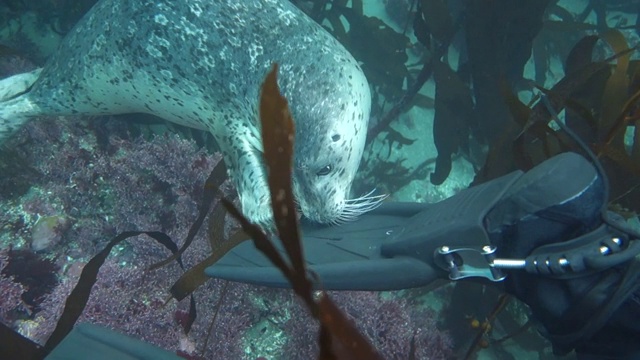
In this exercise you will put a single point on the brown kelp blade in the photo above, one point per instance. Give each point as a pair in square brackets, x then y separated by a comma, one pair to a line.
[79, 296]
[616, 87]
[278, 133]
[195, 276]
[217, 176]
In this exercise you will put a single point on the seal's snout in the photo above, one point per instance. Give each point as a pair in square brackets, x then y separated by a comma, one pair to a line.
[330, 205]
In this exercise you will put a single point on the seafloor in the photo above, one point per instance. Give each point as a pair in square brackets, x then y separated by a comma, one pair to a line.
[68, 185]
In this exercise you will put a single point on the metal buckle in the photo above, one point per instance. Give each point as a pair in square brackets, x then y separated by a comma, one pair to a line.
[470, 262]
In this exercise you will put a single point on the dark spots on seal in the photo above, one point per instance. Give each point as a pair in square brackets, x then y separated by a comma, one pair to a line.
[336, 137]
[127, 75]
[201, 72]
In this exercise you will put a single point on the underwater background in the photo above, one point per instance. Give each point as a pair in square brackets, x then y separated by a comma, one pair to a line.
[453, 85]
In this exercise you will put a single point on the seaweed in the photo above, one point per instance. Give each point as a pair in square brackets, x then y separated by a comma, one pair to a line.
[384, 66]
[77, 300]
[277, 132]
[391, 176]
[444, 31]
[213, 182]
[195, 276]
[338, 336]
[451, 128]
[613, 97]
[433, 23]
[485, 327]
[17, 174]
[36, 273]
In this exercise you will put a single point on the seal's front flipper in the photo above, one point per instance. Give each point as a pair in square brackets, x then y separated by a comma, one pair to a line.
[19, 84]
[347, 257]
[15, 106]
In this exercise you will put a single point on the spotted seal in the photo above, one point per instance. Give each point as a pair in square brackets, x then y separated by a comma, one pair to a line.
[200, 63]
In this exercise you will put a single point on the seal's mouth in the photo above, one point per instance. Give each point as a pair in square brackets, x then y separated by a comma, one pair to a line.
[349, 211]
[358, 206]
[326, 209]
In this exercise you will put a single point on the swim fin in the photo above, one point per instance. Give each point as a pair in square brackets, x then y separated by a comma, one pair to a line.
[389, 248]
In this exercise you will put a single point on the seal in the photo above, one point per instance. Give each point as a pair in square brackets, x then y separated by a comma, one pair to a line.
[201, 63]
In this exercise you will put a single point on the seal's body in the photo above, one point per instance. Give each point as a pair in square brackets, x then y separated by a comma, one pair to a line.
[201, 63]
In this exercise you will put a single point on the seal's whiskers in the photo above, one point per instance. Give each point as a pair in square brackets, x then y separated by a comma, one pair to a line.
[358, 206]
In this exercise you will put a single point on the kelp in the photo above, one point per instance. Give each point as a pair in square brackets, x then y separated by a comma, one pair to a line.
[435, 36]
[217, 176]
[406, 99]
[395, 137]
[212, 323]
[77, 300]
[195, 276]
[485, 326]
[17, 174]
[433, 23]
[612, 93]
[384, 66]
[278, 137]
[391, 176]
[499, 39]
[278, 132]
[412, 93]
[451, 127]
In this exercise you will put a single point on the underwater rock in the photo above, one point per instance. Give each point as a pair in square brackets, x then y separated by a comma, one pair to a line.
[47, 232]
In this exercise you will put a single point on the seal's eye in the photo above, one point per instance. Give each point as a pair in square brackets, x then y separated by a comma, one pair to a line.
[325, 170]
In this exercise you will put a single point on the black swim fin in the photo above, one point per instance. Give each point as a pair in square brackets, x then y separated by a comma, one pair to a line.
[90, 341]
[344, 257]
[389, 248]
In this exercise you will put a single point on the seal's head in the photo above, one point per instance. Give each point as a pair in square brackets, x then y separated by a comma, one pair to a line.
[331, 129]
